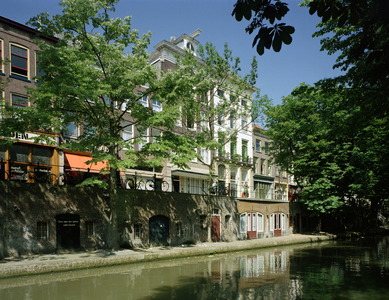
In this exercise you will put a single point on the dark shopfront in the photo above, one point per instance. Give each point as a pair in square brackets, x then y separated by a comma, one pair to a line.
[20, 158]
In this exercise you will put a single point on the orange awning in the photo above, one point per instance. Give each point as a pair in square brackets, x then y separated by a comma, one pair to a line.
[77, 163]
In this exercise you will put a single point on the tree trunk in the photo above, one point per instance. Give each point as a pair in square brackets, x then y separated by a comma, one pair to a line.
[113, 230]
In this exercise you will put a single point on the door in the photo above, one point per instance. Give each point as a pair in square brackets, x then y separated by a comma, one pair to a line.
[277, 224]
[215, 228]
[68, 231]
[251, 225]
[159, 230]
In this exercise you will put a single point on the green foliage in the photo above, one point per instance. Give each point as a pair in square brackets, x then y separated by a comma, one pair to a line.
[335, 150]
[262, 11]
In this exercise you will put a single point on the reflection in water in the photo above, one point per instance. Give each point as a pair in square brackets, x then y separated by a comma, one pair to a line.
[329, 270]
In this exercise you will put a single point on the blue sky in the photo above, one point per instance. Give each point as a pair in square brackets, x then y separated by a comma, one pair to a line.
[278, 73]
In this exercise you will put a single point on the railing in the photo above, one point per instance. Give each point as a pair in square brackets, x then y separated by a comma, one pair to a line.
[237, 158]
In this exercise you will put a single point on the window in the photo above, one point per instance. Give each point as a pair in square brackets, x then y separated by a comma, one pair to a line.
[278, 171]
[260, 222]
[220, 116]
[227, 221]
[126, 131]
[89, 228]
[38, 72]
[19, 153]
[232, 120]
[221, 172]
[220, 93]
[242, 223]
[244, 151]
[204, 121]
[269, 173]
[156, 105]
[19, 61]
[179, 229]
[71, 129]
[155, 134]
[255, 165]
[233, 149]
[143, 135]
[205, 155]
[137, 231]
[244, 123]
[258, 145]
[190, 46]
[263, 166]
[221, 149]
[143, 100]
[41, 156]
[1, 57]
[1, 102]
[243, 102]
[42, 230]
[190, 121]
[266, 145]
[19, 101]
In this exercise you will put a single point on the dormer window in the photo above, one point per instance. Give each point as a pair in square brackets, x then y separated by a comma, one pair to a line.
[190, 46]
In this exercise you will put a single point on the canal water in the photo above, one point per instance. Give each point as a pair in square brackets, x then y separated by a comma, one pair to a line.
[357, 269]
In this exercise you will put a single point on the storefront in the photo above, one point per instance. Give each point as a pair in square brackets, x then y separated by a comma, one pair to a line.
[24, 157]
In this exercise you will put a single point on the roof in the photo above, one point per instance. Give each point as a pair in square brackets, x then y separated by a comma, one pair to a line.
[27, 29]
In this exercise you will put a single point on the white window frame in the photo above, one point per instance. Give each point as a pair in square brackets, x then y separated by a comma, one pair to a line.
[157, 106]
[244, 224]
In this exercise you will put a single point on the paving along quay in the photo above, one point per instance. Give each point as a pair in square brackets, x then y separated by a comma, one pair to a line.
[39, 264]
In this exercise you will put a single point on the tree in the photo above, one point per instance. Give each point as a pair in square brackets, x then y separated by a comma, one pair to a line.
[90, 82]
[357, 31]
[222, 103]
[334, 151]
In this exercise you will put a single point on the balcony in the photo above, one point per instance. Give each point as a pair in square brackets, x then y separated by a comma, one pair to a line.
[233, 158]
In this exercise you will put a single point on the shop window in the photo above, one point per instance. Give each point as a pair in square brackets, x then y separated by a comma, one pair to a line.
[41, 156]
[42, 230]
[19, 61]
[137, 231]
[89, 228]
[19, 101]
[19, 153]
[2, 152]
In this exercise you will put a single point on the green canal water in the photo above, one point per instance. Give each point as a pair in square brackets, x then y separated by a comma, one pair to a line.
[356, 269]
